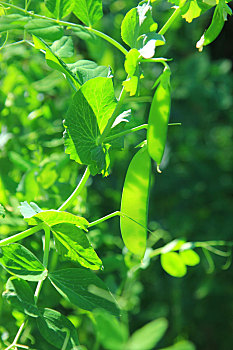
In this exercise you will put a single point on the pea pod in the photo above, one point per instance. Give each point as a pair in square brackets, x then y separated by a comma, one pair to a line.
[217, 23]
[158, 118]
[134, 203]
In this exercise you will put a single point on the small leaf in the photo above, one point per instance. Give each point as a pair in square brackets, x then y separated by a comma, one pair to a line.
[84, 289]
[72, 243]
[61, 8]
[190, 257]
[181, 345]
[63, 47]
[134, 203]
[131, 85]
[29, 210]
[88, 11]
[131, 61]
[12, 22]
[2, 211]
[19, 261]
[148, 336]
[20, 295]
[44, 29]
[173, 264]
[85, 70]
[83, 33]
[56, 329]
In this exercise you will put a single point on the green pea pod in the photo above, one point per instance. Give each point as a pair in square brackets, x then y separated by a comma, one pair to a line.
[159, 118]
[134, 203]
[217, 23]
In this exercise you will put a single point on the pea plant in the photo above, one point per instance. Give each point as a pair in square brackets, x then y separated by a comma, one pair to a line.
[97, 122]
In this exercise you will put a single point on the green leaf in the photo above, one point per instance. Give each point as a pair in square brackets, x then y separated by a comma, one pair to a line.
[63, 47]
[148, 336]
[131, 85]
[2, 211]
[83, 33]
[20, 295]
[134, 202]
[84, 289]
[57, 330]
[217, 23]
[54, 217]
[29, 210]
[19, 261]
[88, 114]
[181, 345]
[131, 61]
[136, 22]
[12, 22]
[173, 264]
[88, 11]
[159, 118]
[72, 243]
[110, 332]
[44, 29]
[60, 8]
[189, 257]
[85, 70]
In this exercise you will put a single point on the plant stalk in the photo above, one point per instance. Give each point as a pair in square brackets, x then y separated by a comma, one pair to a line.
[170, 21]
[22, 235]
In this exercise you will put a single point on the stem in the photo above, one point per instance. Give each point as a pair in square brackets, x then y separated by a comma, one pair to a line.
[170, 21]
[37, 291]
[22, 235]
[46, 246]
[14, 343]
[156, 60]
[69, 24]
[77, 190]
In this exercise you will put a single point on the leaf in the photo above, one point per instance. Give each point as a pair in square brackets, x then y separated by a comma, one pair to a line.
[29, 210]
[147, 43]
[134, 203]
[20, 295]
[85, 70]
[110, 332]
[72, 243]
[173, 264]
[84, 289]
[63, 47]
[12, 22]
[148, 336]
[159, 118]
[181, 345]
[131, 61]
[44, 29]
[60, 8]
[54, 217]
[56, 329]
[131, 85]
[83, 33]
[193, 10]
[88, 114]
[189, 257]
[88, 11]
[19, 261]
[136, 22]
[2, 211]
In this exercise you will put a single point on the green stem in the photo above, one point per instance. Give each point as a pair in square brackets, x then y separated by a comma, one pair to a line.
[77, 190]
[156, 60]
[14, 343]
[22, 235]
[170, 21]
[69, 24]
[46, 246]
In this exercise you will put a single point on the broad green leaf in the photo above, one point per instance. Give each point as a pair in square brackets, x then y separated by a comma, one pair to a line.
[131, 62]
[190, 257]
[63, 47]
[60, 8]
[134, 203]
[159, 118]
[19, 261]
[12, 22]
[54, 217]
[2, 211]
[148, 336]
[28, 210]
[72, 243]
[44, 29]
[193, 10]
[110, 332]
[88, 11]
[181, 345]
[173, 264]
[131, 85]
[137, 21]
[217, 23]
[84, 289]
[88, 114]
[83, 33]
[57, 330]
[20, 295]
[85, 70]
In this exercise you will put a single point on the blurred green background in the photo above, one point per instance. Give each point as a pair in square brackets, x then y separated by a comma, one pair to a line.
[192, 199]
